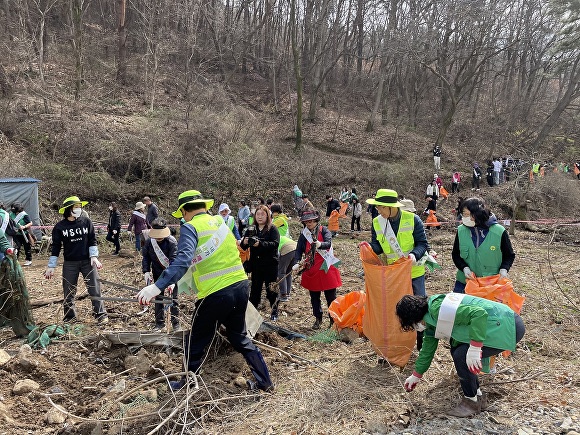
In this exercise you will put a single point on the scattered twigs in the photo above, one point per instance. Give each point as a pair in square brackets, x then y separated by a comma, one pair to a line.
[511, 381]
[290, 356]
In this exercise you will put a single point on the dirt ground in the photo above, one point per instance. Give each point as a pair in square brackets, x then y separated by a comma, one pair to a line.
[324, 385]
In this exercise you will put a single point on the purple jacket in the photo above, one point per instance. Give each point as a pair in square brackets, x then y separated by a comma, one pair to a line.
[137, 222]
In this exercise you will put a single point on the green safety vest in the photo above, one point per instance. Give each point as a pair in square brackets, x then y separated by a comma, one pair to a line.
[221, 268]
[500, 329]
[485, 260]
[230, 222]
[404, 237]
[536, 168]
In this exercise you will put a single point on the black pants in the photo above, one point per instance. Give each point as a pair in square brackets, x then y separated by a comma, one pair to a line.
[454, 187]
[330, 295]
[469, 381]
[160, 308]
[353, 220]
[70, 276]
[258, 280]
[20, 240]
[114, 239]
[225, 307]
[475, 183]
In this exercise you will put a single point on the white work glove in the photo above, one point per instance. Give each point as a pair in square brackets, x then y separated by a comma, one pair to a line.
[49, 272]
[11, 251]
[115, 231]
[473, 357]
[147, 277]
[412, 381]
[468, 273]
[503, 273]
[147, 293]
[296, 267]
[317, 244]
[96, 263]
[412, 257]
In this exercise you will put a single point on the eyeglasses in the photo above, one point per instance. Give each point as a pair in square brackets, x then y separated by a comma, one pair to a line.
[310, 221]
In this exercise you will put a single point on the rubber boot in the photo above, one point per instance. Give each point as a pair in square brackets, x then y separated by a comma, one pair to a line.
[419, 340]
[259, 370]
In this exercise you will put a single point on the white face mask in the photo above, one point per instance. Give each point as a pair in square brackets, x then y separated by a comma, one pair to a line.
[111, 207]
[76, 212]
[419, 327]
[467, 221]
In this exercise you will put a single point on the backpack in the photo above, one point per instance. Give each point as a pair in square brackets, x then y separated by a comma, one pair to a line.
[11, 227]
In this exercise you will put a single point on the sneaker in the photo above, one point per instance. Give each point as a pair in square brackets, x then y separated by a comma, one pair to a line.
[175, 326]
[158, 328]
[253, 386]
[28, 262]
[70, 320]
[317, 324]
[274, 317]
[284, 298]
[178, 385]
[115, 253]
[103, 320]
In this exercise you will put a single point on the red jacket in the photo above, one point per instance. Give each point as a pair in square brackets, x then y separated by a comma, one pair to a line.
[314, 278]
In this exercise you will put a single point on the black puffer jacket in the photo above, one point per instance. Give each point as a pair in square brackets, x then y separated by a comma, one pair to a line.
[264, 257]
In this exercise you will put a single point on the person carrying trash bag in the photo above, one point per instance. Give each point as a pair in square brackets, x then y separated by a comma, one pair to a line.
[476, 328]
[397, 233]
[482, 246]
[76, 235]
[320, 273]
[207, 255]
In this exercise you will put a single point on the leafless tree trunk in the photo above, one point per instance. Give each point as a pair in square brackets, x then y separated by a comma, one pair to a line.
[121, 42]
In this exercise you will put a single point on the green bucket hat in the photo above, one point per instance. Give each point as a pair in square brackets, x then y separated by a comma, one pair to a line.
[191, 197]
[71, 200]
[386, 197]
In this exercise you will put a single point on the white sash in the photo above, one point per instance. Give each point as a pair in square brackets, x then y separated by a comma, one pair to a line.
[447, 313]
[5, 220]
[160, 254]
[137, 213]
[390, 235]
[326, 254]
[19, 216]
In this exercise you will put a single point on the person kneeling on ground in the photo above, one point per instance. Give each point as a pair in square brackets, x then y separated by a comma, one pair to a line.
[477, 328]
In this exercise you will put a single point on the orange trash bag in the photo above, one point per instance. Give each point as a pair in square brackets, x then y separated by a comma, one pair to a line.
[343, 207]
[496, 289]
[347, 311]
[333, 221]
[385, 286]
[431, 220]
[443, 192]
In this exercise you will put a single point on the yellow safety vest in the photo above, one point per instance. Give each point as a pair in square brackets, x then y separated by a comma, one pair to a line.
[281, 222]
[221, 268]
[405, 239]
